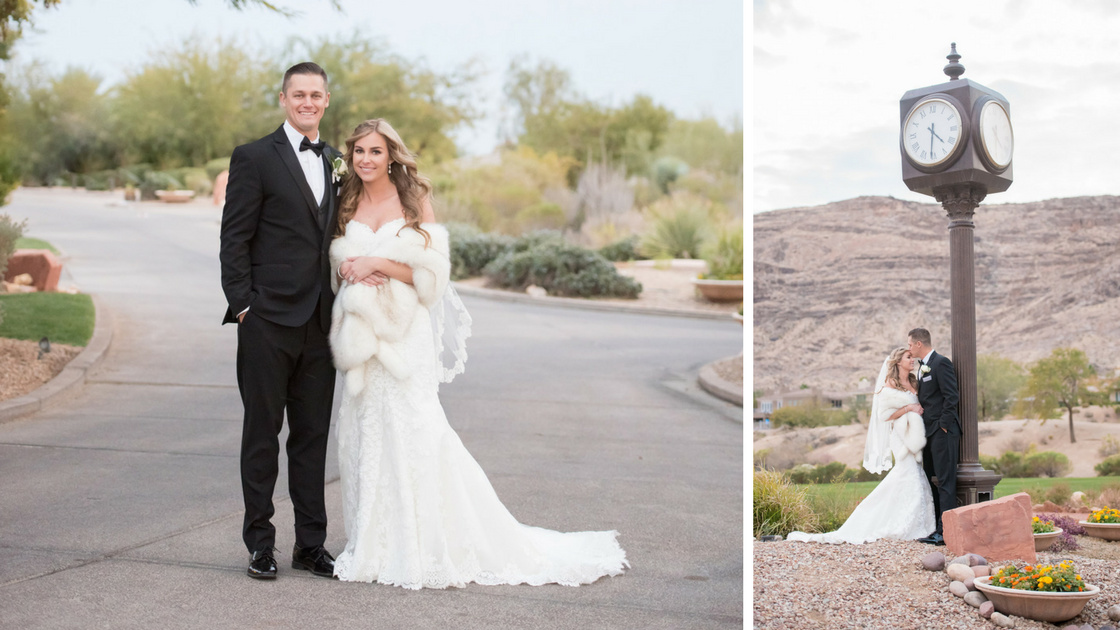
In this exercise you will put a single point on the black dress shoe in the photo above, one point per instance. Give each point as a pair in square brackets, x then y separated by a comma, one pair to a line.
[262, 565]
[933, 539]
[314, 559]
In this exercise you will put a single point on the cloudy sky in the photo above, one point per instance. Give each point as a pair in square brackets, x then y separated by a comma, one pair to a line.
[828, 76]
[688, 60]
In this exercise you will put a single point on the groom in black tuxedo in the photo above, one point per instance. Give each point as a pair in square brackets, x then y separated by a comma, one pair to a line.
[938, 396]
[276, 230]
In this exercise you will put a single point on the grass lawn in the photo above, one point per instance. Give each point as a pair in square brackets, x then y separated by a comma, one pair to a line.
[1005, 487]
[60, 317]
[35, 243]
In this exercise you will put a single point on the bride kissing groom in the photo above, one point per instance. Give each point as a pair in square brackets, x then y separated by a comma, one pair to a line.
[914, 419]
[335, 260]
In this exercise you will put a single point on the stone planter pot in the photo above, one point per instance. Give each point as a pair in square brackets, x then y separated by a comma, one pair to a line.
[1042, 542]
[1040, 606]
[175, 196]
[720, 290]
[1104, 531]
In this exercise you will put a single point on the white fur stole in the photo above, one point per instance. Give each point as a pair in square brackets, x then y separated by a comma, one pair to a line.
[908, 435]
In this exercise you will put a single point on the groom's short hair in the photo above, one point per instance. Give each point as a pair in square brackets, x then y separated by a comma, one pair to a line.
[307, 67]
[921, 335]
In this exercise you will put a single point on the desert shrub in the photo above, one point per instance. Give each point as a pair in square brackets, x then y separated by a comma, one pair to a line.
[989, 462]
[194, 179]
[537, 238]
[10, 232]
[832, 472]
[1109, 446]
[860, 474]
[215, 167]
[725, 256]
[761, 458]
[801, 473]
[1110, 467]
[667, 170]
[134, 174]
[1109, 494]
[541, 216]
[1047, 464]
[811, 416]
[1010, 464]
[472, 250]
[1058, 494]
[779, 506]
[679, 226]
[103, 180]
[561, 269]
[157, 180]
[622, 250]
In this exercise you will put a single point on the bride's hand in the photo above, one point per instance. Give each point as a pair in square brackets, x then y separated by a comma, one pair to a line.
[916, 408]
[362, 269]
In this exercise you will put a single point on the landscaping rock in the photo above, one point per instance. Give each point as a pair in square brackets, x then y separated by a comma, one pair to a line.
[995, 530]
[1114, 613]
[986, 609]
[40, 264]
[961, 560]
[1002, 620]
[534, 291]
[975, 598]
[1072, 626]
[958, 588]
[959, 573]
[975, 559]
[1108, 627]
[933, 561]
[970, 584]
[1077, 497]
[982, 570]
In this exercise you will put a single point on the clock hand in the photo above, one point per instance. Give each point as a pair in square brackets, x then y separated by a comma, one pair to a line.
[935, 134]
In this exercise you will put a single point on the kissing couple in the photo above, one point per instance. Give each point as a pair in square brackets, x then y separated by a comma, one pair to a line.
[914, 418]
[335, 260]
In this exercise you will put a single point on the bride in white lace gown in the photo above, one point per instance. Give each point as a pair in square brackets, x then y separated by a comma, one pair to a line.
[419, 512]
[901, 506]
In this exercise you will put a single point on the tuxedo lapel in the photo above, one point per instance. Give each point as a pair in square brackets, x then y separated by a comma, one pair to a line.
[284, 148]
[331, 197]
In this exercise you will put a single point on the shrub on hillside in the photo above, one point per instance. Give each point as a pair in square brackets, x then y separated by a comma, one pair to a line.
[833, 472]
[472, 250]
[559, 268]
[1110, 467]
[1047, 464]
[811, 416]
[779, 506]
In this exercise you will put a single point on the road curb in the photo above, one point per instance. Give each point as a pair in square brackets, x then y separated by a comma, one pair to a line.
[586, 304]
[72, 377]
[715, 385]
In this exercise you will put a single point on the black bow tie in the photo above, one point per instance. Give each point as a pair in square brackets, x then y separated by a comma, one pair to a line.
[308, 145]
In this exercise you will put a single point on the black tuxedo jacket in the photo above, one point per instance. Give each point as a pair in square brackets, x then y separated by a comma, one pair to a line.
[273, 249]
[938, 395]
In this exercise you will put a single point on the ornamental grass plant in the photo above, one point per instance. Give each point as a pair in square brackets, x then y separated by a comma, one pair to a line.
[1062, 578]
[780, 507]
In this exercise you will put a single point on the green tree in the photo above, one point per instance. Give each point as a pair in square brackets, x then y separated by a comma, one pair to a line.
[705, 144]
[1058, 381]
[997, 380]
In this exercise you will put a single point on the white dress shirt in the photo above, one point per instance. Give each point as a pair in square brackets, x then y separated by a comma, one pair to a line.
[312, 167]
[312, 164]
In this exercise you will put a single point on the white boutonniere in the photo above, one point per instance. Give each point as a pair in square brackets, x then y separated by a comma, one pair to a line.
[924, 370]
[339, 169]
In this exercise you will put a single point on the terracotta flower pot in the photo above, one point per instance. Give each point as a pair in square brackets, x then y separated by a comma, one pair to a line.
[720, 290]
[1043, 541]
[1037, 605]
[1105, 531]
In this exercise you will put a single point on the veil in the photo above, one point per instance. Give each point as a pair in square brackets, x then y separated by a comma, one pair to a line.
[451, 326]
[877, 451]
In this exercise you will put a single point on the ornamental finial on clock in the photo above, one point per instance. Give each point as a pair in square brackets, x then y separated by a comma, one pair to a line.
[954, 69]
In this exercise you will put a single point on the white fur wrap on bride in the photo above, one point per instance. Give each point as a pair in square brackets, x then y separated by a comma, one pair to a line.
[367, 322]
[908, 435]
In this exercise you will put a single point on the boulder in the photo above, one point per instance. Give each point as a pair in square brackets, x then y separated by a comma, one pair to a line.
[40, 264]
[957, 588]
[1077, 497]
[1001, 620]
[995, 530]
[975, 598]
[986, 609]
[982, 570]
[959, 573]
[534, 291]
[961, 560]
[975, 559]
[934, 561]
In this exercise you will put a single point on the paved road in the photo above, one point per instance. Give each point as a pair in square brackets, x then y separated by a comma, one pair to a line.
[122, 507]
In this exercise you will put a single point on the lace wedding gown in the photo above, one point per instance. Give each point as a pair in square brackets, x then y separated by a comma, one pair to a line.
[418, 510]
[901, 506]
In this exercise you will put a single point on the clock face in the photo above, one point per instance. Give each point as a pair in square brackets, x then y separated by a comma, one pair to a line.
[932, 132]
[995, 133]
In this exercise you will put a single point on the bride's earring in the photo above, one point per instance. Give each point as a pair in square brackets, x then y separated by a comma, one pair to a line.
[390, 168]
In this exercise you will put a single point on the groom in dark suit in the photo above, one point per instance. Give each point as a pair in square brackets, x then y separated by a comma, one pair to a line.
[276, 230]
[938, 396]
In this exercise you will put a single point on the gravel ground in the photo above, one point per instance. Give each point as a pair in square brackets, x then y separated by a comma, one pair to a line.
[882, 585]
[730, 370]
[21, 370]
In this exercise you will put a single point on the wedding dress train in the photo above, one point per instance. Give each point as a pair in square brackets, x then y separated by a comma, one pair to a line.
[418, 510]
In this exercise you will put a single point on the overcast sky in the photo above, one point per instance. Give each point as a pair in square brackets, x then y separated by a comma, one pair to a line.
[688, 57]
[828, 77]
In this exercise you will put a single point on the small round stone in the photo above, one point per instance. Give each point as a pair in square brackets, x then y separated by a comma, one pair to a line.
[933, 561]
[1114, 612]
[986, 609]
[960, 560]
[975, 598]
[982, 570]
[959, 572]
[1002, 620]
[975, 559]
[1086, 626]
[1108, 627]
[958, 588]
[970, 583]
[1072, 626]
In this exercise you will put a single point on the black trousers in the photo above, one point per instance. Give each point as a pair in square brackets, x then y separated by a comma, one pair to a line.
[940, 457]
[284, 368]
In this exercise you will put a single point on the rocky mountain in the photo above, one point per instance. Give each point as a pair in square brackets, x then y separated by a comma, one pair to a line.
[837, 286]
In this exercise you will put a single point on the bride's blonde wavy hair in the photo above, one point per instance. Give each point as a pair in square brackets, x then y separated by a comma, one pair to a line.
[892, 370]
[412, 187]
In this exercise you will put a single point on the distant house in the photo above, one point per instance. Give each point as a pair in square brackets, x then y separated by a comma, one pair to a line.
[768, 404]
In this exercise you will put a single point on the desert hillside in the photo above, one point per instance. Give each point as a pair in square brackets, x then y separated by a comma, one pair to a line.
[837, 286]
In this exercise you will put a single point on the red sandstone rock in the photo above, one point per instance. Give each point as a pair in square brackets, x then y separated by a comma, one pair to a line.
[40, 263]
[997, 530]
[220, 188]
